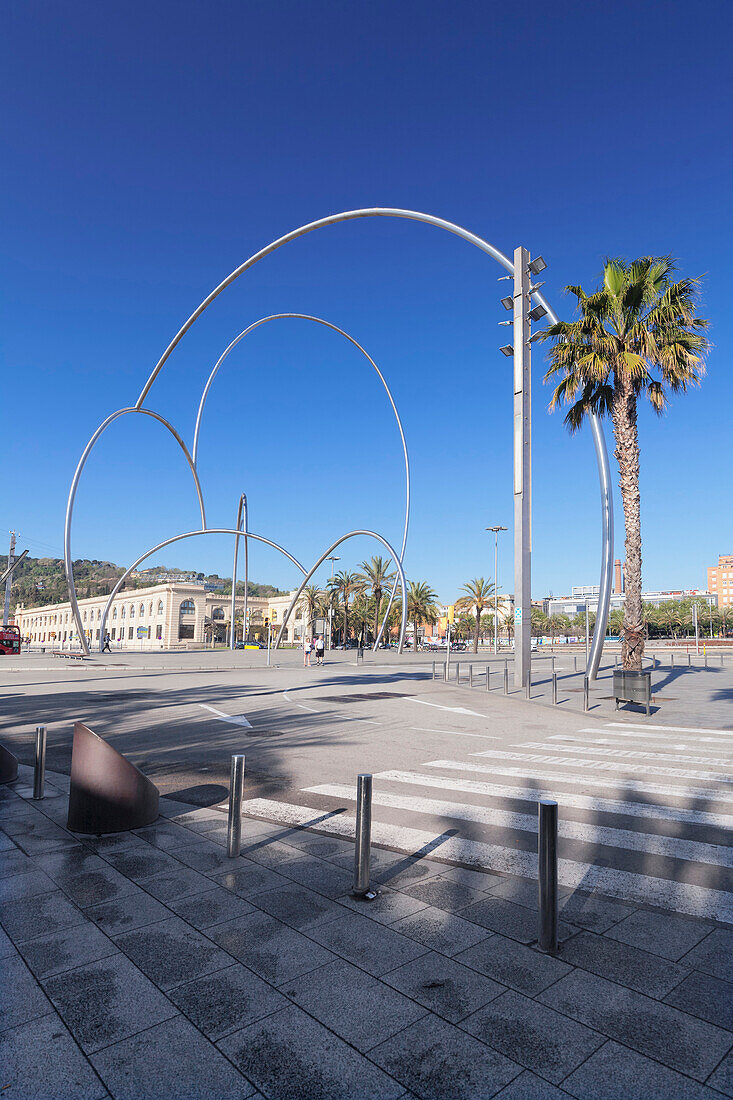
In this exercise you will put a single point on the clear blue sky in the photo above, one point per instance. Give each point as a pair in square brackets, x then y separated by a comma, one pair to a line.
[150, 147]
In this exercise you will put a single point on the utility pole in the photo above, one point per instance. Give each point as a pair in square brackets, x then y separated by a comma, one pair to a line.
[9, 581]
[522, 470]
[496, 531]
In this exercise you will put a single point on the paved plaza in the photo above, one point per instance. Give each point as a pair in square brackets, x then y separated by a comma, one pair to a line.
[150, 964]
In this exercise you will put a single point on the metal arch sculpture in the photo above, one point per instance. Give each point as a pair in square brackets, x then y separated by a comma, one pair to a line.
[197, 430]
[72, 495]
[241, 523]
[179, 538]
[351, 535]
[604, 470]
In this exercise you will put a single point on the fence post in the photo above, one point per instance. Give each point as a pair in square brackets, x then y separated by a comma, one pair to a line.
[586, 701]
[363, 838]
[554, 687]
[547, 881]
[236, 790]
[39, 771]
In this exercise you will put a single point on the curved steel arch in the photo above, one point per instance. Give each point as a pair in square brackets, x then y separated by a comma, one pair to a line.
[604, 471]
[341, 332]
[241, 523]
[351, 535]
[72, 494]
[178, 538]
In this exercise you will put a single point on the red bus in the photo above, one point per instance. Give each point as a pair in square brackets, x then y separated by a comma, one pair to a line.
[9, 639]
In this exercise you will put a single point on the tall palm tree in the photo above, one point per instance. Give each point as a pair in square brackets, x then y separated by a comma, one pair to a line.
[636, 323]
[478, 595]
[376, 577]
[346, 586]
[422, 605]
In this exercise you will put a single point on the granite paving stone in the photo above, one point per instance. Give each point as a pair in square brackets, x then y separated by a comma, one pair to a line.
[536, 1037]
[440, 931]
[25, 886]
[444, 894]
[170, 1060]
[69, 862]
[66, 949]
[444, 986]
[6, 945]
[123, 914]
[616, 1073]
[170, 952]
[201, 819]
[706, 997]
[112, 842]
[319, 875]
[226, 1001]
[714, 955]
[289, 1055]
[297, 906]
[523, 891]
[38, 843]
[478, 880]
[665, 934]
[21, 998]
[106, 1001]
[180, 883]
[271, 949]
[435, 1060]
[94, 887]
[722, 1079]
[62, 1073]
[402, 871]
[653, 1029]
[368, 945]
[250, 879]
[12, 860]
[165, 834]
[26, 918]
[214, 906]
[510, 919]
[359, 1008]
[325, 847]
[386, 908]
[269, 853]
[619, 962]
[590, 911]
[513, 964]
[208, 858]
[528, 1086]
[142, 863]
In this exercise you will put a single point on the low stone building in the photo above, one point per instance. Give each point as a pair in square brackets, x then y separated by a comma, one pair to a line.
[163, 616]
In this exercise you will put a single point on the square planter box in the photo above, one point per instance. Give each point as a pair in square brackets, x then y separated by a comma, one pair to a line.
[633, 687]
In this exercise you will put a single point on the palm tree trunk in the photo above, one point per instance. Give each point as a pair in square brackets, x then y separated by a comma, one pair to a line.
[478, 627]
[377, 605]
[627, 455]
[346, 622]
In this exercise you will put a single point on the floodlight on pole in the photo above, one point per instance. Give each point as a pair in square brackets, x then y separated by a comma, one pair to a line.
[537, 313]
[507, 350]
[537, 265]
[508, 302]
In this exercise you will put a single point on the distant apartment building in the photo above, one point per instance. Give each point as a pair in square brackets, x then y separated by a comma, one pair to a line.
[720, 580]
[575, 604]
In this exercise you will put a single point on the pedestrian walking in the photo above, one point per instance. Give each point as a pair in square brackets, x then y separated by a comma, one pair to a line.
[307, 653]
[320, 648]
[107, 646]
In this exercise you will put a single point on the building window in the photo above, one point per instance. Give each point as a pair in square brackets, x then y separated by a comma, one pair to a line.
[142, 610]
[150, 609]
[130, 631]
[85, 616]
[114, 612]
[132, 610]
[159, 633]
[188, 607]
[123, 612]
[97, 633]
[99, 613]
[113, 632]
[185, 632]
[218, 614]
[160, 607]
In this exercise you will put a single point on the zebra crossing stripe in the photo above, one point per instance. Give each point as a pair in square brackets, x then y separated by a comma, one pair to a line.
[669, 729]
[722, 741]
[602, 765]
[580, 802]
[634, 754]
[710, 793]
[681, 897]
[715, 854]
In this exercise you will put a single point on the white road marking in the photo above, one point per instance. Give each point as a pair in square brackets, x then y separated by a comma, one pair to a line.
[696, 901]
[235, 719]
[453, 710]
[721, 739]
[301, 705]
[457, 733]
[672, 729]
[580, 802]
[586, 781]
[604, 765]
[715, 854]
[635, 754]
[654, 739]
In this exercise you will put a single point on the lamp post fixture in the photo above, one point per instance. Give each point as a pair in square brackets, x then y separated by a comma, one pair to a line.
[496, 531]
[332, 559]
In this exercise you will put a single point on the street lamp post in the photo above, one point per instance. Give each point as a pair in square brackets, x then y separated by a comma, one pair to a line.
[496, 531]
[332, 559]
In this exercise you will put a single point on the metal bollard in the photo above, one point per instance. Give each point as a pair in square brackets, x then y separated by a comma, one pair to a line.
[488, 678]
[458, 672]
[433, 669]
[445, 672]
[528, 686]
[553, 666]
[39, 771]
[554, 687]
[506, 678]
[575, 663]
[615, 661]
[236, 791]
[672, 659]
[721, 660]
[470, 676]
[363, 838]
[586, 688]
[706, 660]
[689, 660]
[547, 881]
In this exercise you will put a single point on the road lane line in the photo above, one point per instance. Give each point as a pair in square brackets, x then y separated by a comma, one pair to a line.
[457, 733]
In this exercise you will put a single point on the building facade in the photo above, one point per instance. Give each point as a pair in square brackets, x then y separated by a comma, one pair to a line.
[164, 616]
[720, 580]
[573, 605]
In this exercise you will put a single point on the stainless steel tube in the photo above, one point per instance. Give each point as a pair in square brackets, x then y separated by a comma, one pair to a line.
[586, 700]
[363, 835]
[39, 771]
[236, 790]
[554, 687]
[470, 676]
[528, 686]
[445, 672]
[458, 672]
[488, 678]
[547, 880]
[575, 663]
[433, 669]
[506, 678]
